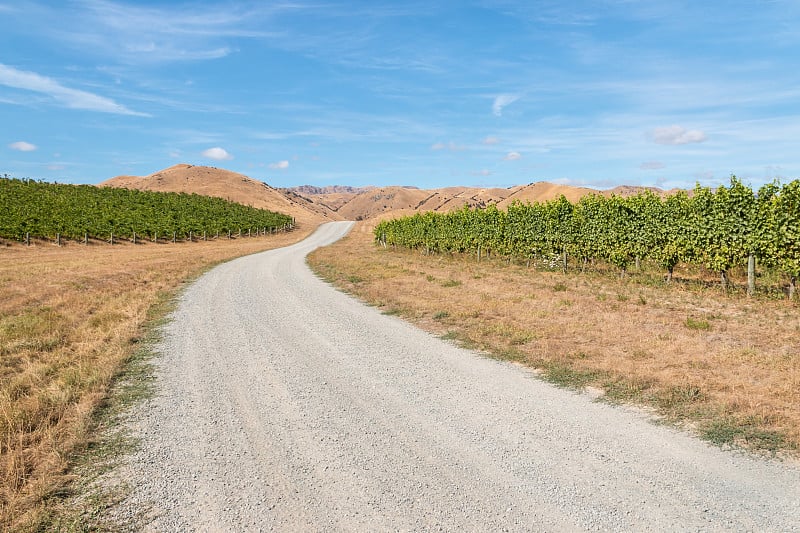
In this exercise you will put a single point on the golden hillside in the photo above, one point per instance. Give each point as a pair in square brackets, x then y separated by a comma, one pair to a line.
[313, 205]
[211, 181]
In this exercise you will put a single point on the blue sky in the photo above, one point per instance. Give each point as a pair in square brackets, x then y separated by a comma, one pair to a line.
[494, 93]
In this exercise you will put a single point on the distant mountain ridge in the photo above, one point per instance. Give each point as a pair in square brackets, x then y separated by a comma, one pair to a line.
[311, 204]
[328, 189]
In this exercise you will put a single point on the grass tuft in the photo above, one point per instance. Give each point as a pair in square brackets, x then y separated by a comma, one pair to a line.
[566, 376]
[747, 433]
[697, 324]
[677, 396]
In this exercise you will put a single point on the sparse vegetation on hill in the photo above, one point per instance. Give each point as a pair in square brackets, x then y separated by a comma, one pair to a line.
[228, 185]
[45, 210]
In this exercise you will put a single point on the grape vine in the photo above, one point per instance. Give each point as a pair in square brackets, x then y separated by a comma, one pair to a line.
[718, 229]
[46, 210]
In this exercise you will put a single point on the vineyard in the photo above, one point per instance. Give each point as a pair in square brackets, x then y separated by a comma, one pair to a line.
[34, 209]
[717, 229]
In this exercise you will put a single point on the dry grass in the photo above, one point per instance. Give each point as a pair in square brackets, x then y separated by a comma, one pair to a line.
[726, 367]
[70, 318]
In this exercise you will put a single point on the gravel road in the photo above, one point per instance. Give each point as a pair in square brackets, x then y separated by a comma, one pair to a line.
[285, 405]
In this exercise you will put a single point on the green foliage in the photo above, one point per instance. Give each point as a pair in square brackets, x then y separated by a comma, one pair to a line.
[697, 323]
[717, 229]
[73, 211]
[722, 224]
[783, 228]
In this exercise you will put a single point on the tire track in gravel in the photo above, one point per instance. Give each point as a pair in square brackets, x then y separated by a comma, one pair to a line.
[285, 405]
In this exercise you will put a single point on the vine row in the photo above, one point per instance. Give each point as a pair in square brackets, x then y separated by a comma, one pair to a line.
[718, 229]
[35, 209]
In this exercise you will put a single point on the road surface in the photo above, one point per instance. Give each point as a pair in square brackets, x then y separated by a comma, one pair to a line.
[285, 405]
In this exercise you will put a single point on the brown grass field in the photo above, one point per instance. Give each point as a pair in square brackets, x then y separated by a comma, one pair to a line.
[70, 318]
[726, 367]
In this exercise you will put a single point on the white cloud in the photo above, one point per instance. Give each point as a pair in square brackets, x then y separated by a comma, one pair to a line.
[280, 165]
[512, 156]
[22, 146]
[217, 153]
[482, 172]
[164, 33]
[652, 165]
[72, 98]
[502, 101]
[491, 140]
[453, 147]
[675, 134]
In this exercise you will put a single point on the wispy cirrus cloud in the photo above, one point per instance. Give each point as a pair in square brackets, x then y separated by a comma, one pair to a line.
[502, 101]
[71, 98]
[165, 33]
[279, 165]
[512, 156]
[652, 165]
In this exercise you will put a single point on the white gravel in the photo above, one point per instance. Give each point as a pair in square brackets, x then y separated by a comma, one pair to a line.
[285, 405]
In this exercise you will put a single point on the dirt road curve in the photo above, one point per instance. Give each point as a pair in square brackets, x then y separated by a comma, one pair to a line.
[285, 405]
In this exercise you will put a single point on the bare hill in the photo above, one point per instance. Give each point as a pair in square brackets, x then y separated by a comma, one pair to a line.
[328, 189]
[211, 181]
[374, 202]
[543, 191]
[312, 205]
[393, 201]
[633, 190]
